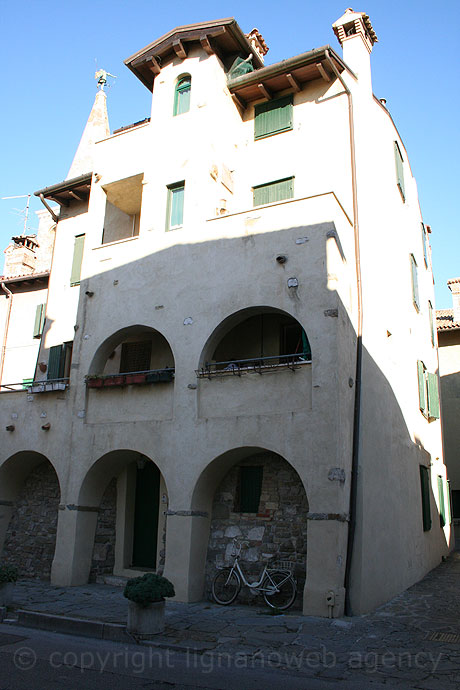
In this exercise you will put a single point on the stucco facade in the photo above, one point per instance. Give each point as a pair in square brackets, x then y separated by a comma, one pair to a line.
[269, 333]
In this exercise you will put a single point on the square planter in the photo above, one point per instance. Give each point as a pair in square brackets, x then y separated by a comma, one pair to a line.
[94, 383]
[114, 381]
[146, 621]
[37, 388]
[58, 386]
[6, 593]
[135, 378]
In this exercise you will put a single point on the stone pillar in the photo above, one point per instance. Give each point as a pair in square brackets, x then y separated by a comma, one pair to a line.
[326, 556]
[187, 535]
[74, 545]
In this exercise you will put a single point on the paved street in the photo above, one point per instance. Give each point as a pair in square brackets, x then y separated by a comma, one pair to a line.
[411, 642]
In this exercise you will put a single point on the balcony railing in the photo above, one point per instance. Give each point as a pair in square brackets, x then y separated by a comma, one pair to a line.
[129, 378]
[45, 386]
[255, 365]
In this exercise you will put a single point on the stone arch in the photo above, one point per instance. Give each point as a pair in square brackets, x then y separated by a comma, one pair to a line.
[124, 499]
[276, 529]
[256, 333]
[112, 355]
[29, 501]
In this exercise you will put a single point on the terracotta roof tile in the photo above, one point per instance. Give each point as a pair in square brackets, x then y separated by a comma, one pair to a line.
[445, 319]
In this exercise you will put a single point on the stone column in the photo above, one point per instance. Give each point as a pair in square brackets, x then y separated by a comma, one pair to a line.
[74, 545]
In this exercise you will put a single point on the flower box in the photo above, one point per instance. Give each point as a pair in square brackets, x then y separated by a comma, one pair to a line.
[135, 378]
[95, 383]
[114, 381]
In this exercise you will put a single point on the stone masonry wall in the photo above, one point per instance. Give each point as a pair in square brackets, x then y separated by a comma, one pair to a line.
[103, 558]
[278, 531]
[31, 536]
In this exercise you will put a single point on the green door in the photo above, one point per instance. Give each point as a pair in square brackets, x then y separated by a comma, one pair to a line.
[146, 516]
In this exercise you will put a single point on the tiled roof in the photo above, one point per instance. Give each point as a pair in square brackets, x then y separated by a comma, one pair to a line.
[24, 276]
[445, 320]
[453, 280]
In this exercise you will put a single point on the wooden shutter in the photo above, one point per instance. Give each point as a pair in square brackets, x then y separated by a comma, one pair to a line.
[175, 206]
[77, 260]
[422, 388]
[424, 240]
[433, 396]
[56, 362]
[274, 191]
[182, 95]
[442, 507]
[425, 488]
[430, 317]
[39, 320]
[273, 117]
[399, 170]
[250, 488]
[415, 296]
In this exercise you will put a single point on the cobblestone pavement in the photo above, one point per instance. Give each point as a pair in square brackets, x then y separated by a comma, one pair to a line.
[413, 641]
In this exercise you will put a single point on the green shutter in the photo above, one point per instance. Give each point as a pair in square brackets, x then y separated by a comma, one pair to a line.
[425, 487]
[274, 191]
[175, 206]
[182, 95]
[422, 387]
[399, 170]
[415, 295]
[433, 396]
[273, 117]
[442, 507]
[77, 260]
[449, 502]
[430, 316]
[250, 488]
[424, 240]
[39, 320]
[56, 362]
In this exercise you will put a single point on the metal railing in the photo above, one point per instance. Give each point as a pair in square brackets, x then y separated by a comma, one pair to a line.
[43, 386]
[257, 365]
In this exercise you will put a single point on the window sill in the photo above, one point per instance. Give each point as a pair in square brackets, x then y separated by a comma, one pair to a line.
[111, 244]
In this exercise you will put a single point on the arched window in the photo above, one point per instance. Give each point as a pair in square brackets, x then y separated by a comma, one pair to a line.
[182, 95]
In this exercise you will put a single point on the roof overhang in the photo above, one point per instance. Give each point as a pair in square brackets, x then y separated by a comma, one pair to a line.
[63, 193]
[290, 74]
[29, 279]
[222, 37]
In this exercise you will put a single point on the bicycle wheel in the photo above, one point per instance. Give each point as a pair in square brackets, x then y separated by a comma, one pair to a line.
[287, 590]
[225, 586]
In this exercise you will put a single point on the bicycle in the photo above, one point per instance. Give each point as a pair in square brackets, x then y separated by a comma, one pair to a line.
[277, 584]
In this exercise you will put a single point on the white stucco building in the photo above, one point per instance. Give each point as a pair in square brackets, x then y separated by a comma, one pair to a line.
[237, 337]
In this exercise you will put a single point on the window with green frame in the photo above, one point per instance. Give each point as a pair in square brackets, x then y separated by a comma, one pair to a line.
[175, 206]
[273, 117]
[273, 191]
[428, 391]
[442, 504]
[182, 94]
[399, 161]
[414, 276]
[425, 489]
[39, 320]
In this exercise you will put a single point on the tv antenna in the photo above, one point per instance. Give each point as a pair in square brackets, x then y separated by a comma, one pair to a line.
[22, 211]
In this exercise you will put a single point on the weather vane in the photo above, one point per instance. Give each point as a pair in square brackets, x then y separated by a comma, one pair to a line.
[101, 76]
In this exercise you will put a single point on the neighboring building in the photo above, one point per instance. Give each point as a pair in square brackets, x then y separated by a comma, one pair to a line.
[448, 325]
[237, 337]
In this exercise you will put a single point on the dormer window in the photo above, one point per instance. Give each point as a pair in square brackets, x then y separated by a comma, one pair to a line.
[182, 95]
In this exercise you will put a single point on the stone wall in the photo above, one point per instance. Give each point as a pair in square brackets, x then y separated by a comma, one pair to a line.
[278, 531]
[103, 558]
[31, 536]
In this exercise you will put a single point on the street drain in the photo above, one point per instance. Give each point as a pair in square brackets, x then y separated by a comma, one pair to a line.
[444, 637]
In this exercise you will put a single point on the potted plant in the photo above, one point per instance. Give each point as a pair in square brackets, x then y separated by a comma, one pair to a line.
[146, 595]
[8, 576]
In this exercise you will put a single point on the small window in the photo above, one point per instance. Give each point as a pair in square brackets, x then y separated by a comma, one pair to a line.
[77, 260]
[399, 170]
[428, 392]
[425, 488]
[182, 95]
[135, 356]
[59, 360]
[250, 488]
[273, 191]
[39, 320]
[442, 505]
[273, 117]
[122, 209]
[415, 295]
[175, 206]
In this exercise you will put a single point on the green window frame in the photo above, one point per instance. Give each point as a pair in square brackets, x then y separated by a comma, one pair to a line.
[442, 504]
[273, 191]
[77, 260]
[182, 94]
[250, 488]
[425, 244]
[39, 322]
[56, 362]
[175, 206]
[273, 117]
[428, 390]
[430, 317]
[414, 277]
[399, 163]
[425, 491]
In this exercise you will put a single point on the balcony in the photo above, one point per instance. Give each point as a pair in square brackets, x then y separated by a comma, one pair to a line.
[131, 378]
[46, 386]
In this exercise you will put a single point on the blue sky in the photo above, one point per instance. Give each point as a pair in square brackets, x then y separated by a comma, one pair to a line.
[48, 63]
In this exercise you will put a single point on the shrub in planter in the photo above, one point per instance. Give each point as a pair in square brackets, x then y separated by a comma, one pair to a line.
[146, 597]
[8, 576]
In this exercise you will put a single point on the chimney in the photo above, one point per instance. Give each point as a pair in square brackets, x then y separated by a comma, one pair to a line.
[454, 287]
[257, 42]
[357, 37]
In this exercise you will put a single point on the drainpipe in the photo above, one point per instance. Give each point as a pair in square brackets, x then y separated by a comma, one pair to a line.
[9, 295]
[359, 349]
